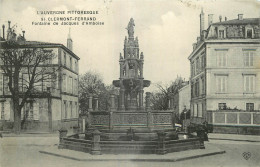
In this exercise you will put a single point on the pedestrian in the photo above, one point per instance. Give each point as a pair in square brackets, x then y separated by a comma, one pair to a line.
[205, 128]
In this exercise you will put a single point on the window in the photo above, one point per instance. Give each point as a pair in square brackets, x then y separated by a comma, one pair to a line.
[199, 106]
[71, 110]
[25, 81]
[191, 111]
[6, 87]
[203, 62]
[65, 109]
[221, 84]
[249, 83]
[195, 109]
[65, 57]
[76, 109]
[75, 66]
[70, 62]
[37, 85]
[56, 81]
[221, 58]
[249, 106]
[249, 33]
[203, 108]
[2, 111]
[202, 85]
[1, 84]
[70, 85]
[249, 58]
[5, 110]
[222, 106]
[64, 83]
[221, 34]
[28, 111]
[193, 69]
[75, 87]
[46, 83]
[197, 88]
[197, 65]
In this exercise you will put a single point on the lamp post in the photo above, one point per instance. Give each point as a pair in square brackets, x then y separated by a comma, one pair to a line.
[185, 128]
[184, 124]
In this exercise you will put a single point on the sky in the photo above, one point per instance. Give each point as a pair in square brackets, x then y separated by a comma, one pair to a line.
[166, 30]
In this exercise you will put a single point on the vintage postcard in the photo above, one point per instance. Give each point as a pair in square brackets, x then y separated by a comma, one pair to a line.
[129, 83]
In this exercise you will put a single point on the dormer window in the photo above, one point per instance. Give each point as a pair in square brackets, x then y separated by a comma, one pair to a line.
[221, 34]
[249, 33]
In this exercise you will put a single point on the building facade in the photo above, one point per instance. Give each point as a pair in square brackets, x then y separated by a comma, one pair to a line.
[225, 67]
[56, 102]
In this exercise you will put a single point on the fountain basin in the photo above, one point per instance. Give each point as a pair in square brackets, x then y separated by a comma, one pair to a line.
[118, 142]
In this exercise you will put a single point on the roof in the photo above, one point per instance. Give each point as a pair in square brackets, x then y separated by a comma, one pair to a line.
[185, 87]
[29, 44]
[239, 22]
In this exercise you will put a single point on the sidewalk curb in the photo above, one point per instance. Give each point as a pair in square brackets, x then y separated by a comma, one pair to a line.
[234, 139]
[137, 160]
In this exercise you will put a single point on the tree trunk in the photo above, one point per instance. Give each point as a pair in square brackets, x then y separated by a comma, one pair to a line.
[17, 116]
[16, 101]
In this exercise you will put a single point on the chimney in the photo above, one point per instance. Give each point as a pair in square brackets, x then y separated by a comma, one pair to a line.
[23, 33]
[3, 31]
[201, 22]
[240, 16]
[69, 42]
[210, 19]
[220, 18]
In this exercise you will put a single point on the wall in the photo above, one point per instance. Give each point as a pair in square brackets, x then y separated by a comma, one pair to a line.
[234, 121]
[56, 109]
[154, 119]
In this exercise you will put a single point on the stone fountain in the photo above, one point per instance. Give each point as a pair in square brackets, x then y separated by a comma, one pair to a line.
[129, 127]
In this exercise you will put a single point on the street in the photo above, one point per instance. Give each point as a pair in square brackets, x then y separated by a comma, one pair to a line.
[24, 151]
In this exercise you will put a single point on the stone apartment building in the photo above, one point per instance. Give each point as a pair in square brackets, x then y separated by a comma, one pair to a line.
[56, 103]
[225, 67]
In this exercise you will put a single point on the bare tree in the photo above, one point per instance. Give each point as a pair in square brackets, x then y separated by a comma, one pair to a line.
[160, 98]
[25, 69]
[91, 83]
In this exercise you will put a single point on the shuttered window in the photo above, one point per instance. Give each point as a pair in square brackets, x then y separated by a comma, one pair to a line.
[6, 88]
[249, 83]
[249, 58]
[221, 84]
[64, 83]
[221, 58]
